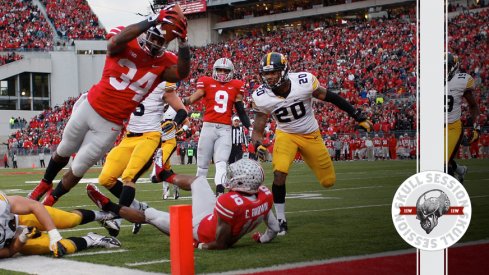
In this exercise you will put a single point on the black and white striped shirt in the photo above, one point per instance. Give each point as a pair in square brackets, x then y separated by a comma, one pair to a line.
[238, 136]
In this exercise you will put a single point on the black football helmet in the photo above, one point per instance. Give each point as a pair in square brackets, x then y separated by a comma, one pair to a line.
[272, 62]
[452, 65]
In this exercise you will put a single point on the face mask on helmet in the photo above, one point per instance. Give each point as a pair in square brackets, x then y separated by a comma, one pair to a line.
[274, 62]
[452, 65]
[153, 41]
[245, 175]
[223, 70]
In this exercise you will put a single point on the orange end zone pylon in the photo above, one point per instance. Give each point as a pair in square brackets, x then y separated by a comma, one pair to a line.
[181, 240]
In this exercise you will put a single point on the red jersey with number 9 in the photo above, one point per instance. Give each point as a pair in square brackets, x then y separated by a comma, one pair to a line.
[127, 79]
[242, 213]
[219, 98]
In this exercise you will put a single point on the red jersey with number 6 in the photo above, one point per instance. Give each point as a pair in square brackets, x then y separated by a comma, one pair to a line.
[127, 79]
[219, 98]
[242, 213]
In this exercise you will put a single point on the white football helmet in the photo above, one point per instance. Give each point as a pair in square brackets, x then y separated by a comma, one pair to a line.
[224, 64]
[245, 175]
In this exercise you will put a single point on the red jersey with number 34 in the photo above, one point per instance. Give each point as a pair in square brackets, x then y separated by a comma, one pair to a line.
[237, 210]
[219, 98]
[127, 79]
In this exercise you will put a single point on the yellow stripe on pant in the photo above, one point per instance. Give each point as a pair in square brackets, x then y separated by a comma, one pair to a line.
[454, 139]
[313, 151]
[62, 220]
[128, 158]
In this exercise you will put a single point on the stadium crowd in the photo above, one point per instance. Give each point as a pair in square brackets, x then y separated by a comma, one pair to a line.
[22, 26]
[371, 63]
[74, 19]
[10, 57]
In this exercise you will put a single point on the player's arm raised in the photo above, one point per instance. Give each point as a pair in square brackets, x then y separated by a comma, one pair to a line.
[181, 70]
[322, 94]
[119, 40]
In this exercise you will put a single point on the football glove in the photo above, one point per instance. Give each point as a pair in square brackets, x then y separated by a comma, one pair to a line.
[256, 236]
[55, 245]
[261, 151]
[363, 121]
[474, 133]
[168, 126]
[29, 232]
[367, 125]
[58, 250]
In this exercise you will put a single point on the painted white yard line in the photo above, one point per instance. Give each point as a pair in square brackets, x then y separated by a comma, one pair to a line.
[110, 251]
[90, 228]
[338, 208]
[148, 263]
[49, 266]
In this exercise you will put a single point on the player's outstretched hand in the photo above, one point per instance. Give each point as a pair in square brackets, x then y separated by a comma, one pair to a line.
[29, 232]
[363, 121]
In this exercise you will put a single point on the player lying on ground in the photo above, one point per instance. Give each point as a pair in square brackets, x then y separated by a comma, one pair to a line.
[23, 222]
[217, 223]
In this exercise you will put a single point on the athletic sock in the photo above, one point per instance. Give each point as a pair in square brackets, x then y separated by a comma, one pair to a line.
[127, 195]
[116, 190]
[53, 169]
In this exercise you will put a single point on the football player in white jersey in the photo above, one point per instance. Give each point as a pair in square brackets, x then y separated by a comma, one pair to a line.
[28, 227]
[459, 86]
[134, 155]
[162, 165]
[288, 98]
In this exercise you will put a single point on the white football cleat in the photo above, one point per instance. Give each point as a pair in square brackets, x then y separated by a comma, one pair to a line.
[166, 191]
[113, 226]
[103, 241]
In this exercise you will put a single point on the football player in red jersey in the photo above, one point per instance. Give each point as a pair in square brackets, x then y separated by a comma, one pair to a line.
[220, 93]
[136, 63]
[217, 223]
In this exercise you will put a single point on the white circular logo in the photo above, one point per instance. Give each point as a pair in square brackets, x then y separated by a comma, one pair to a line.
[431, 210]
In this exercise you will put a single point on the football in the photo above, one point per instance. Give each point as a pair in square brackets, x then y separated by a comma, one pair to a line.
[169, 28]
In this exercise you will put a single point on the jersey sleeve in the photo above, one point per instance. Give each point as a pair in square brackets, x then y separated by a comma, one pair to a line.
[225, 208]
[258, 102]
[169, 87]
[201, 83]
[315, 82]
[470, 83]
[239, 86]
[114, 31]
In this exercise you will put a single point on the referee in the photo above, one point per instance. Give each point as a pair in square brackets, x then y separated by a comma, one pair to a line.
[238, 139]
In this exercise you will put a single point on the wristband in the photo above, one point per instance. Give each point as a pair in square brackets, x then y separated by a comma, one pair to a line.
[200, 246]
[54, 235]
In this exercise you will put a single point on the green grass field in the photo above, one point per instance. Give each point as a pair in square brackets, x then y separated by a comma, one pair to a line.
[352, 218]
